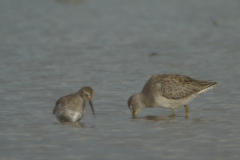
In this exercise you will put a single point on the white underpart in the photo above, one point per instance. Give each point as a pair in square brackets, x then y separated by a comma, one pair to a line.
[73, 116]
[171, 103]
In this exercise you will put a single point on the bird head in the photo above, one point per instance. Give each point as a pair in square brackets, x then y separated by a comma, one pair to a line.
[135, 104]
[87, 94]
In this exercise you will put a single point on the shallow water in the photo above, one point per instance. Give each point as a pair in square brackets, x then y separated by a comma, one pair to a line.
[52, 48]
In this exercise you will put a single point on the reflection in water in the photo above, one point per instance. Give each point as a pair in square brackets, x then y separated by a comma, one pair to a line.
[81, 125]
[153, 54]
[155, 118]
[214, 21]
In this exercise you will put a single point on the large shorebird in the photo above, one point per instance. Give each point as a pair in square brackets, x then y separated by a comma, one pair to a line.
[168, 91]
[72, 107]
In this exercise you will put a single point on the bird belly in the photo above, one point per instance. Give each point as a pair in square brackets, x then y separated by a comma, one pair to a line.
[75, 117]
[67, 115]
[170, 103]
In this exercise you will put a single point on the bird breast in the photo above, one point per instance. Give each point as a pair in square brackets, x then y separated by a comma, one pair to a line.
[163, 102]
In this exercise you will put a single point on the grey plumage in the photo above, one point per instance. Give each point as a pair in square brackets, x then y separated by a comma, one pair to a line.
[168, 91]
[71, 108]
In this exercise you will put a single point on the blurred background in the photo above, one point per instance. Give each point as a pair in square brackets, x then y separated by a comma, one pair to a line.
[51, 48]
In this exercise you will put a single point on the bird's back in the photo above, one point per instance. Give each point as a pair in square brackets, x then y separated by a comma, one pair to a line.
[69, 108]
[174, 86]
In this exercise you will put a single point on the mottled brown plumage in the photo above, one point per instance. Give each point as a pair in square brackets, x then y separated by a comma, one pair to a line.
[72, 107]
[168, 91]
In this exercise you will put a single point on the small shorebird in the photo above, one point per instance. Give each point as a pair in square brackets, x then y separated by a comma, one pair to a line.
[168, 91]
[72, 107]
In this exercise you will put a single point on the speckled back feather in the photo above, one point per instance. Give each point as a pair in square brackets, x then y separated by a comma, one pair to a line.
[176, 86]
[67, 102]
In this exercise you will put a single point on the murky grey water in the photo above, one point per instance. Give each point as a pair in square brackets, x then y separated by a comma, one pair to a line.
[52, 48]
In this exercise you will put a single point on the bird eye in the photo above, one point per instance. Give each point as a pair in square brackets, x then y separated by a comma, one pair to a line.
[130, 107]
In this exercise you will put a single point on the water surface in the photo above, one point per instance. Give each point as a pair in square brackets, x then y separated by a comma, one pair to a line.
[52, 48]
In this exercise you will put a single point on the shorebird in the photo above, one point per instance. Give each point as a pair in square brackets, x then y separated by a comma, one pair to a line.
[72, 107]
[168, 91]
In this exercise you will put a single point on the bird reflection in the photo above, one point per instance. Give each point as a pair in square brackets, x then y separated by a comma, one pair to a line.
[81, 125]
[155, 118]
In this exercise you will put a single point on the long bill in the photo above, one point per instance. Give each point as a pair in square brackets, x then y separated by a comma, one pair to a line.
[134, 115]
[91, 105]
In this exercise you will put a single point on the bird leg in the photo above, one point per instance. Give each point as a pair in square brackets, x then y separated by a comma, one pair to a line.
[173, 114]
[186, 108]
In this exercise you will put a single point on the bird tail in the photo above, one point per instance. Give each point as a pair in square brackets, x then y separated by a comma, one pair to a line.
[208, 87]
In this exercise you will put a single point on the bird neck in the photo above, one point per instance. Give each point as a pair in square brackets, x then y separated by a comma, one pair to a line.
[143, 100]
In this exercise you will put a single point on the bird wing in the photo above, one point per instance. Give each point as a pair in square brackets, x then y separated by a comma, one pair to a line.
[66, 102]
[59, 101]
[177, 86]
